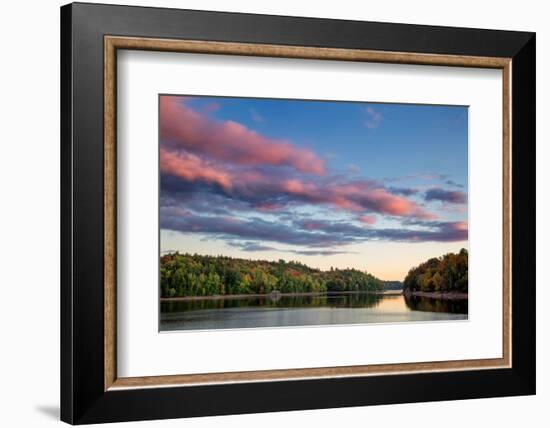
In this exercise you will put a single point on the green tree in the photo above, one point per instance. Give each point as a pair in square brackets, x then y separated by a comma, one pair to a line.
[448, 273]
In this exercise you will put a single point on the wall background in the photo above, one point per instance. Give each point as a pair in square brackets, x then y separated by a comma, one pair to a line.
[29, 214]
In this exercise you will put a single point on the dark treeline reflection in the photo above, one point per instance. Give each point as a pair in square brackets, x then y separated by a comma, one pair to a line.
[429, 304]
[359, 300]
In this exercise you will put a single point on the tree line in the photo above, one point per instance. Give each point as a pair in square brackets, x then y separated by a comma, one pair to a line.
[448, 273]
[184, 275]
[393, 286]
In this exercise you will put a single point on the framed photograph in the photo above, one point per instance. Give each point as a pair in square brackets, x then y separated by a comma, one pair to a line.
[265, 213]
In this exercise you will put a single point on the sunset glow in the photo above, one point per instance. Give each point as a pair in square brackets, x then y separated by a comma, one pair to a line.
[376, 187]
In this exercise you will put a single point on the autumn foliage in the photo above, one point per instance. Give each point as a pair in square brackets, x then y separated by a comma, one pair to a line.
[448, 273]
[195, 275]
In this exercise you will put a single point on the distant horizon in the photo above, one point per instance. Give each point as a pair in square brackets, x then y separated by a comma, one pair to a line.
[170, 252]
[371, 186]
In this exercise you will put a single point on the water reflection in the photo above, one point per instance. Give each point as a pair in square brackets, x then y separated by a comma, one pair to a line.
[296, 310]
[430, 304]
[336, 300]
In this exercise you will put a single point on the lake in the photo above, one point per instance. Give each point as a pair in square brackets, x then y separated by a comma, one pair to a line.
[300, 310]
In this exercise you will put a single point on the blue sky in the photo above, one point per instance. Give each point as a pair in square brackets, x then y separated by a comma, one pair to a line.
[407, 138]
[317, 181]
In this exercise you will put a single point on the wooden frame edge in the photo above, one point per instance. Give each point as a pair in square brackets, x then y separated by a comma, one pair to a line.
[300, 374]
[507, 213]
[301, 52]
[110, 223]
[112, 43]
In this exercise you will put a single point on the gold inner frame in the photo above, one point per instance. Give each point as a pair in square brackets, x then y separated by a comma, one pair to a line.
[113, 43]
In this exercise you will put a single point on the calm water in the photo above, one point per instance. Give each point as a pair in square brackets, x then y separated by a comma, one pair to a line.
[286, 311]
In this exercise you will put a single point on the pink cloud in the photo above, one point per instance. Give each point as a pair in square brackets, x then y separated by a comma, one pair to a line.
[312, 225]
[367, 195]
[229, 141]
[197, 148]
[460, 225]
[357, 196]
[367, 219]
[377, 199]
[192, 168]
[269, 207]
[247, 185]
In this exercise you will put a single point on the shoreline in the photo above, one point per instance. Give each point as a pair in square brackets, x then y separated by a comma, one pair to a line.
[438, 295]
[275, 295]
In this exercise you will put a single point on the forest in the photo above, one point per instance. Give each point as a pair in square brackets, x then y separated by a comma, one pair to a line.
[448, 273]
[393, 286]
[183, 275]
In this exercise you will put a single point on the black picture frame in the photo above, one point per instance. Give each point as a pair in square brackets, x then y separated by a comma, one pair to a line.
[83, 398]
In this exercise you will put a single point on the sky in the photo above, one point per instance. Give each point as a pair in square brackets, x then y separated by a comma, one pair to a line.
[372, 186]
